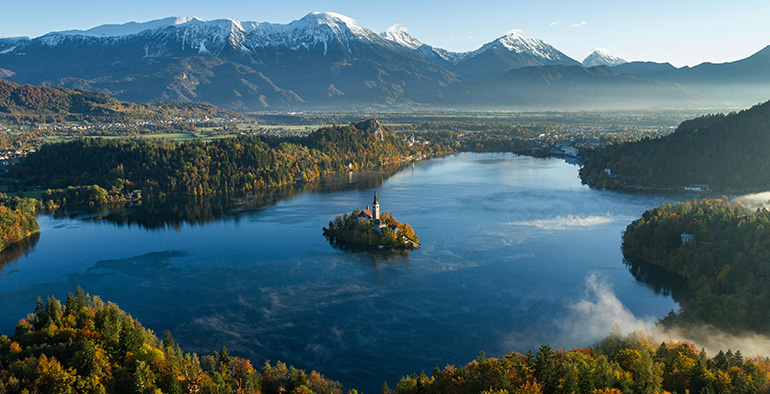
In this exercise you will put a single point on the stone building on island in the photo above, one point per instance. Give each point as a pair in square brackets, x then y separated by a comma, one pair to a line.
[372, 214]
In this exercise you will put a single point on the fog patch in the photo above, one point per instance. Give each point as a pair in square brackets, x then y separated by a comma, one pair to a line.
[597, 313]
[567, 222]
[712, 340]
[755, 200]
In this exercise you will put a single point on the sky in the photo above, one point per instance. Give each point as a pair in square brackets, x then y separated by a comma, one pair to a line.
[681, 32]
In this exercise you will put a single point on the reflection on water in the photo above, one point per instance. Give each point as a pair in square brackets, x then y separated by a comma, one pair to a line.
[658, 278]
[373, 252]
[18, 250]
[175, 212]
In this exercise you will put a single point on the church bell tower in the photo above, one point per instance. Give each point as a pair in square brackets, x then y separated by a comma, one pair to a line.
[375, 208]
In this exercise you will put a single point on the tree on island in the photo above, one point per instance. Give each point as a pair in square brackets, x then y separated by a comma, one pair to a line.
[369, 228]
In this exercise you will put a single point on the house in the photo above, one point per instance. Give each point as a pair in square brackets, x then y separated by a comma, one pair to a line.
[687, 238]
[697, 188]
[570, 151]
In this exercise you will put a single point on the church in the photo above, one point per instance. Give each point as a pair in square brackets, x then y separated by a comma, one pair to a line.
[372, 214]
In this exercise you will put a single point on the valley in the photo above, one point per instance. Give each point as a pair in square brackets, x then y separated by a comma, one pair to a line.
[583, 226]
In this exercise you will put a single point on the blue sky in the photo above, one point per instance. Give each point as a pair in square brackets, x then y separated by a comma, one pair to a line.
[681, 32]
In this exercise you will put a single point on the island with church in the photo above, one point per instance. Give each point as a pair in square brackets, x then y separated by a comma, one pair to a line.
[369, 229]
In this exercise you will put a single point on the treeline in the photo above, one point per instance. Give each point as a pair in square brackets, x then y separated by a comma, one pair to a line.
[17, 220]
[723, 252]
[89, 346]
[237, 164]
[725, 152]
[78, 195]
[615, 365]
[350, 230]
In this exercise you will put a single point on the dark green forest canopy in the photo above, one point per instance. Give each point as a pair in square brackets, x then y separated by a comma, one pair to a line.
[725, 152]
[89, 346]
[237, 164]
[723, 252]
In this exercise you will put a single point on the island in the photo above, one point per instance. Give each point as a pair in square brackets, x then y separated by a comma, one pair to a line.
[368, 229]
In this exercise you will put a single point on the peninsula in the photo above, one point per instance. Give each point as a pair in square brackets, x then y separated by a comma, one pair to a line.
[369, 228]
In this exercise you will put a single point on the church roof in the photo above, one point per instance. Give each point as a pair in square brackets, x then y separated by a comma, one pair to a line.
[365, 213]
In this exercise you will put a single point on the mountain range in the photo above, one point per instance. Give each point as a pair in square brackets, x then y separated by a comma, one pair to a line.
[327, 61]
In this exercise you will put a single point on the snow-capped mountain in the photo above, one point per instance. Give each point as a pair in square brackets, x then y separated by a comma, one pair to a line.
[517, 43]
[322, 60]
[246, 65]
[434, 55]
[399, 35]
[130, 28]
[601, 57]
[511, 51]
[212, 37]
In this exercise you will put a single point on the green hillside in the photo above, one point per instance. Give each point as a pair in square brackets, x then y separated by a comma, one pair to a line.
[723, 152]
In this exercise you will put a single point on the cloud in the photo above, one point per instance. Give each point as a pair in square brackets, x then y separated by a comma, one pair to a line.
[470, 37]
[397, 28]
[451, 37]
[566, 222]
[581, 24]
[553, 24]
[516, 31]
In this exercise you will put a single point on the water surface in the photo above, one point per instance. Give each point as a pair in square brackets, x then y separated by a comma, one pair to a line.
[516, 252]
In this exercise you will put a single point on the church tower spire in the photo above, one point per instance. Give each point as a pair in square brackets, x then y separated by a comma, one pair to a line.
[376, 208]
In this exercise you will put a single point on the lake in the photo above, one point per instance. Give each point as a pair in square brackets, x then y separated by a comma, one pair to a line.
[515, 252]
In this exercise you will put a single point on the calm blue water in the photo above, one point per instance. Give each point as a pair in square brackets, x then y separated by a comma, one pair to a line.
[516, 252]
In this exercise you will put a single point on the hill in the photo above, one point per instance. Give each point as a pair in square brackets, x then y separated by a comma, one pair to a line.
[40, 104]
[720, 250]
[244, 163]
[720, 152]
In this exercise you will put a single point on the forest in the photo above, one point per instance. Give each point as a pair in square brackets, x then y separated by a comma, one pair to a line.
[349, 229]
[17, 220]
[723, 152]
[720, 249]
[240, 164]
[91, 346]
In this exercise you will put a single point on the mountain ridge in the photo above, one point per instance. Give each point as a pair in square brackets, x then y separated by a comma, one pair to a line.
[320, 61]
